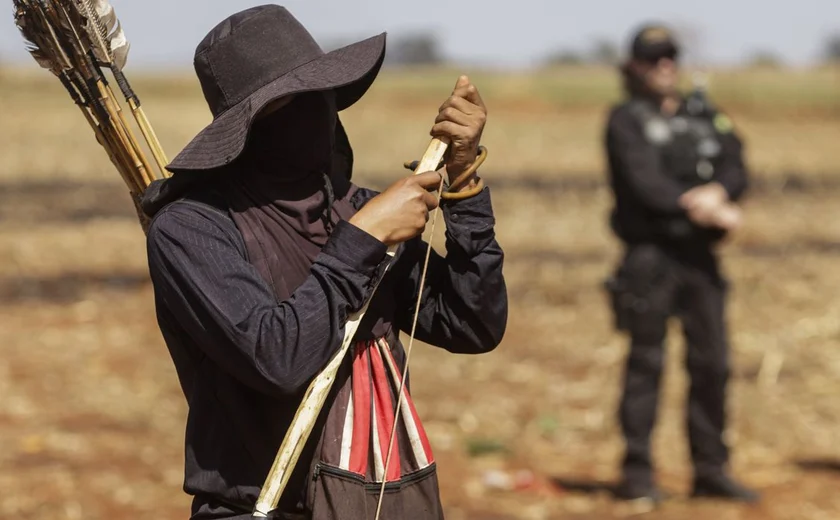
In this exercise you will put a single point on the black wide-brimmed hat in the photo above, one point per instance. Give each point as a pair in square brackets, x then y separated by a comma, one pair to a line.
[260, 55]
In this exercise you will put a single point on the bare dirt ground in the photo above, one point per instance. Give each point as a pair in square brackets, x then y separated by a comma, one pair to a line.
[92, 417]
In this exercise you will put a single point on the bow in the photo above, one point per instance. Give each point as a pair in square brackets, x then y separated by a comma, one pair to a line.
[318, 390]
[434, 161]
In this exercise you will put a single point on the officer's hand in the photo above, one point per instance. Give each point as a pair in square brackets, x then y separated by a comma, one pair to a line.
[709, 206]
[461, 119]
[726, 217]
[729, 218]
[704, 198]
[400, 213]
[704, 204]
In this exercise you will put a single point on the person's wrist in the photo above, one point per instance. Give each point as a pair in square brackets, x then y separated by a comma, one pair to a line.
[368, 227]
[454, 174]
[467, 185]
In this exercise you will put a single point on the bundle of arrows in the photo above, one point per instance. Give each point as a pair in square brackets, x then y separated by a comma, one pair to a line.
[77, 40]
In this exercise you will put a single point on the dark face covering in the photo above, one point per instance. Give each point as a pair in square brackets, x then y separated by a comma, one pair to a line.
[296, 140]
[284, 197]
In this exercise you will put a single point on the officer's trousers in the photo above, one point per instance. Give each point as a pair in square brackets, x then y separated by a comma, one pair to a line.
[686, 284]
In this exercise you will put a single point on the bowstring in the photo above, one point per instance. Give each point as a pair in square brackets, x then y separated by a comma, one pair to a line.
[408, 351]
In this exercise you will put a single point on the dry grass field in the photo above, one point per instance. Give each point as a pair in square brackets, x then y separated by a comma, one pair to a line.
[91, 415]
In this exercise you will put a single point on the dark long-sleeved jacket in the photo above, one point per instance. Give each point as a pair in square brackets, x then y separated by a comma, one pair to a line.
[647, 193]
[244, 359]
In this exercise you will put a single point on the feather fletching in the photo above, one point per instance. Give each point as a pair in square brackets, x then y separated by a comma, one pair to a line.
[114, 32]
[106, 31]
[29, 30]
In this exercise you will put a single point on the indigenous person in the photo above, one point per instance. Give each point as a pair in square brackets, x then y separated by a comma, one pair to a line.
[260, 248]
[676, 169]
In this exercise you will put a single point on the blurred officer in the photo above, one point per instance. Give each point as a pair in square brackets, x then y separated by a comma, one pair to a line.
[676, 170]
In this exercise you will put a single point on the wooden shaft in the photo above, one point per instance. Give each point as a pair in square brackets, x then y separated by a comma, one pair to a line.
[100, 138]
[316, 395]
[143, 166]
[140, 116]
[433, 156]
[108, 137]
[118, 160]
[103, 141]
[120, 139]
[150, 136]
[122, 153]
[114, 127]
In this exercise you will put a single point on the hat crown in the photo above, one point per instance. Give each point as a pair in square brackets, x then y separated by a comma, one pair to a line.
[249, 50]
[653, 40]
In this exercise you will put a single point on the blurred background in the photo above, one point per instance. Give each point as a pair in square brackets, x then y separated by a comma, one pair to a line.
[91, 414]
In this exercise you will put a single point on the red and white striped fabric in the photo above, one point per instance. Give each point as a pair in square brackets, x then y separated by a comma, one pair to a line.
[362, 418]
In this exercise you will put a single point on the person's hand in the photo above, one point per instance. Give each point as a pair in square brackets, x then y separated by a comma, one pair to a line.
[728, 217]
[704, 199]
[461, 120]
[708, 206]
[400, 213]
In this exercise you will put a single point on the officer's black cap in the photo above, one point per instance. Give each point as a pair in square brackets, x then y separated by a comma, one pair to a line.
[654, 42]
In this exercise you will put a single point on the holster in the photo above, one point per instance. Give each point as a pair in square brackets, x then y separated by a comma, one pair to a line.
[639, 285]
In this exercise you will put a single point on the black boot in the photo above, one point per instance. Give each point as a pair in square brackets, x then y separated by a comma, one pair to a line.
[638, 489]
[724, 487]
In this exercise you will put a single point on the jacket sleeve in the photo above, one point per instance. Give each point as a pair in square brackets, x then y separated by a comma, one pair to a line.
[201, 275]
[732, 172]
[641, 165]
[464, 306]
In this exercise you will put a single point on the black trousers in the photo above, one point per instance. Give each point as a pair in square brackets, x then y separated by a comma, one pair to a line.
[664, 282]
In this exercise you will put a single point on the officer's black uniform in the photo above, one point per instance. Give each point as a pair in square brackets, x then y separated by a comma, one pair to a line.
[670, 269]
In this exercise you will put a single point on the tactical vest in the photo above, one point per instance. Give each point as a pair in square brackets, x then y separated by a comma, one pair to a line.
[688, 142]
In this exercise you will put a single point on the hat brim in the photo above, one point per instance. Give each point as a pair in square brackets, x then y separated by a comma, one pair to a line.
[350, 71]
[656, 51]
